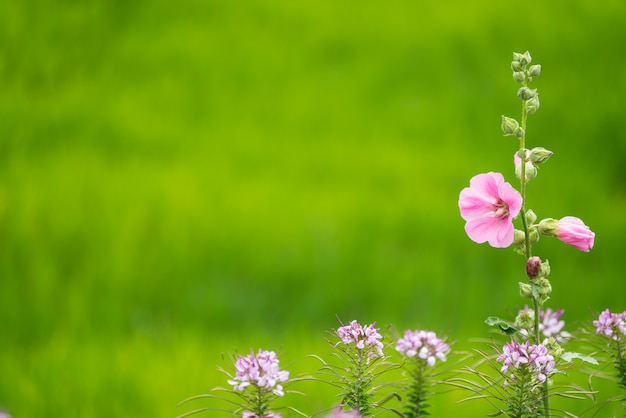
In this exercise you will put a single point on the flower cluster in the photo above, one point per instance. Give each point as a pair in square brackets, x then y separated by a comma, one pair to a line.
[550, 323]
[527, 358]
[340, 413]
[611, 324]
[248, 414]
[261, 371]
[423, 344]
[362, 337]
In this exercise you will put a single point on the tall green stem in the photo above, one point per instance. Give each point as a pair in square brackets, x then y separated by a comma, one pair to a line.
[527, 244]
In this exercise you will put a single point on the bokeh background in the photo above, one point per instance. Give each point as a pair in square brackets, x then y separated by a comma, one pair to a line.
[183, 180]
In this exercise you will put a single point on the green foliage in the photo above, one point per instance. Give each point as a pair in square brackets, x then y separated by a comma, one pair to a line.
[181, 179]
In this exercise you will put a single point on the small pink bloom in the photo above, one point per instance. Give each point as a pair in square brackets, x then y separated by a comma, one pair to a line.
[488, 207]
[573, 231]
[340, 413]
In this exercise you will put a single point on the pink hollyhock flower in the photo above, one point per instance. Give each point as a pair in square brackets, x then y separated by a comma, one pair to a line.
[488, 207]
[570, 230]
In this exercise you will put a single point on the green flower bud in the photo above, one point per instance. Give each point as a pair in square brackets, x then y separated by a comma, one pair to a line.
[517, 56]
[519, 133]
[525, 319]
[526, 93]
[533, 236]
[525, 58]
[532, 105]
[516, 66]
[539, 155]
[518, 237]
[548, 227]
[534, 70]
[544, 270]
[525, 290]
[530, 171]
[531, 217]
[519, 76]
[544, 287]
[553, 347]
[509, 125]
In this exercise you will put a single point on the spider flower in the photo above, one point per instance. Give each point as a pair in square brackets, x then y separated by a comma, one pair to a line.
[550, 323]
[261, 371]
[340, 413]
[248, 414]
[488, 207]
[423, 344]
[526, 358]
[611, 324]
[362, 337]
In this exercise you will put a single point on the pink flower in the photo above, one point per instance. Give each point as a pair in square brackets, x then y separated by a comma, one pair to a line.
[366, 337]
[423, 344]
[340, 413]
[611, 324]
[574, 232]
[261, 371]
[488, 207]
[526, 358]
[570, 230]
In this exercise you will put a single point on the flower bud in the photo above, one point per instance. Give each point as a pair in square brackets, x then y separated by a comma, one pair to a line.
[518, 237]
[525, 290]
[517, 56]
[534, 70]
[544, 288]
[532, 105]
[526, 93]
[533, 236]
[544, 270]
[519, 133]
[525, 319]
[548, 227]
[525, 58]
[553, 347]
[531, 217]
[519, 76]
[539, 155]
[509, 125]
[516, 66]
[530, 171]
[533, 266]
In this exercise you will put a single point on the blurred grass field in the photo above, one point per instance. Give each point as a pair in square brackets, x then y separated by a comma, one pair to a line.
[183, 180]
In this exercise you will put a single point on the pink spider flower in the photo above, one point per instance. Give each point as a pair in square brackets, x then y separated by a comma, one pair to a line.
[423, 344]
[261, 371]
[362, 337]
[526, 358]
[550, 324]
[488, 207]
[249, 414]
[340, 413]
[611, 324]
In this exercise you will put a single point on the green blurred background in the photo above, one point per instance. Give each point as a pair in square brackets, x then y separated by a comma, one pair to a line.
[184, 179]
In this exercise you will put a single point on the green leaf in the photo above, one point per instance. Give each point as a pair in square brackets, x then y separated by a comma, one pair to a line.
[569, 356]
[504, 326]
